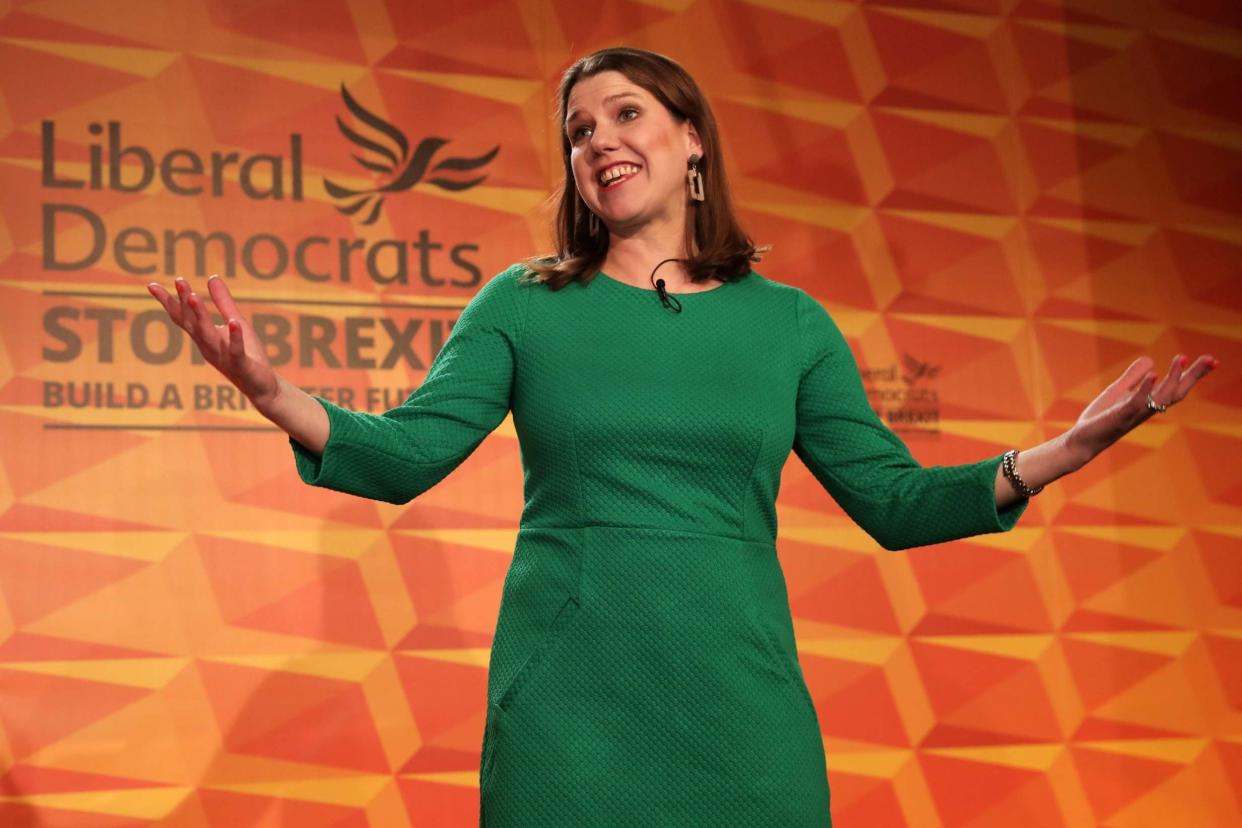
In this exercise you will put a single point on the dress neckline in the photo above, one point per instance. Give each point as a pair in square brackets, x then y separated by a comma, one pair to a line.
[680, 296]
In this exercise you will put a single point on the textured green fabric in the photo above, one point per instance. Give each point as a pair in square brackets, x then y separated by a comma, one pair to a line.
[644, 669]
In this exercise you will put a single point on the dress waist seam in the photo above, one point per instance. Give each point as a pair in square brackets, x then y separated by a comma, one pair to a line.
[641, 528]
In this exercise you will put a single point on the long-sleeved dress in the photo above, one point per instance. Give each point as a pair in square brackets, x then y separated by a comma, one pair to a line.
[644, 669]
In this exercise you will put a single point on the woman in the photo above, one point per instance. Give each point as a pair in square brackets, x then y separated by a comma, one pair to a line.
[644, 670]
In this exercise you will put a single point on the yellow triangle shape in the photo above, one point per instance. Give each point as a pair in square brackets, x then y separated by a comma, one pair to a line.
[134, 803]
[975, 26]
[36, 164]
[851, 538]
[830, 12]
[139, 546]
[1228, 233]
[1135, 333]
[1212, 38]
[1026, 757]
[1115, 134]
[145, 63]
[517, 201]
[147, 673]
[350, 544]
[981, 126]
[983, 226]
[822, 213]
[1110, 37]
[352, 666]
[838, 114]
[1170, 644]
[875, 650]
[1017, 539]
[1132, 233]
[497, 540]
[469, 656]
[1233, 530]
[667, 5]
[1159, 538]
[1225, 330]
[351, 791]
[851, 321]
[465, 779]
[513, 91]
[319, 74]
[138, 418]
[1180, 751]
[1025, 647]
[879, 764]
[997, 329]
[1000, 432]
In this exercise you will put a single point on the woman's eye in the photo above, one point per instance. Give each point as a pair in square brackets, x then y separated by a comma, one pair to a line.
[579, 132]
[628, 110]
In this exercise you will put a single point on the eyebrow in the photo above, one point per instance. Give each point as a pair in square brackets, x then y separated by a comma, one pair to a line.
[575, 115]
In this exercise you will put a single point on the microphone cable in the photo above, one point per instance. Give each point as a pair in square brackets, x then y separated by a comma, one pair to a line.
[666, 299]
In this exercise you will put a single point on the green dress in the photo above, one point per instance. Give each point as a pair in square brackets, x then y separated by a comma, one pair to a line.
[644, 668]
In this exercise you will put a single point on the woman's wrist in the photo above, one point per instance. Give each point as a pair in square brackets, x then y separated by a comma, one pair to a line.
[1040, 465]
[298, 414]
[269, 404]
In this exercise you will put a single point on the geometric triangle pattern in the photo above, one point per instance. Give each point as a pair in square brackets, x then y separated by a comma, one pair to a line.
[1001, 202]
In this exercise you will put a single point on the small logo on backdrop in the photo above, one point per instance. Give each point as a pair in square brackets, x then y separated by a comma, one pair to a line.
[387, 151]
[905, 397]
[916, 369]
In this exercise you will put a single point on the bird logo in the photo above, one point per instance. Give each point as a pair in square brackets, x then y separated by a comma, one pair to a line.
[387, 152]
[916, 369]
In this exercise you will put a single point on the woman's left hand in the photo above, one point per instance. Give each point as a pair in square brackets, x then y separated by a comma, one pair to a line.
[1123, 404]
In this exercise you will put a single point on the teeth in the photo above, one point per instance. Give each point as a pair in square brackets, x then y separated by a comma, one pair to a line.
[613, 173]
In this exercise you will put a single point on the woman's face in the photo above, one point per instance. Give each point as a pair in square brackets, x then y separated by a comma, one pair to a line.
[628, 153]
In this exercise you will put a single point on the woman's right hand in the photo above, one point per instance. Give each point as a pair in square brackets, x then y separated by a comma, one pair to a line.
[233, 348]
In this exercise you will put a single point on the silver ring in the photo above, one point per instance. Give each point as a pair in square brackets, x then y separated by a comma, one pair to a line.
[1152, 405]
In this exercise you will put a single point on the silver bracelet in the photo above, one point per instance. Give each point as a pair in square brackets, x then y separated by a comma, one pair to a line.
[1009, 467]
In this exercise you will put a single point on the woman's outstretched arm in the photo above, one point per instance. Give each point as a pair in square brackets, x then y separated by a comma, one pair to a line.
[236, 352]
[1109, 417]
[870, 472]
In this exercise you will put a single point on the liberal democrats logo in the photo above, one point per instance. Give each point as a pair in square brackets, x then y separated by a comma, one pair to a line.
[387, 152]
[916, 369]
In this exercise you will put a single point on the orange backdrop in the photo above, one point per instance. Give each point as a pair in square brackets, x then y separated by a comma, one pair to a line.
[1003, 203]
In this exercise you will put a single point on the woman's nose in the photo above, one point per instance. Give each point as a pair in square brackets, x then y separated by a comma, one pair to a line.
[603, 138]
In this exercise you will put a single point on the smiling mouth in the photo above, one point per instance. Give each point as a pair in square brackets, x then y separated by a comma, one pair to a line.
[614, 175]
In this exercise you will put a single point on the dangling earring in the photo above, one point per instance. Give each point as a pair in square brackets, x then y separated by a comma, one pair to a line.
[695, 178]
[593, 224]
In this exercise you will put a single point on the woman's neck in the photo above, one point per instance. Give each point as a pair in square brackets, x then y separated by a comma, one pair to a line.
[631, 259]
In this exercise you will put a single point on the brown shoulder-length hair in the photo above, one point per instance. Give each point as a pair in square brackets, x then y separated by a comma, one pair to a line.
[717, 246]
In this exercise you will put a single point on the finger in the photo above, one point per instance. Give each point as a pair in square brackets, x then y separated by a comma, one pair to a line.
[202, 325]
[222, 297]
[237, 342]
[1198, 369]
[186, 313]
[1167, 388]
[167, 302]
[1135, 373]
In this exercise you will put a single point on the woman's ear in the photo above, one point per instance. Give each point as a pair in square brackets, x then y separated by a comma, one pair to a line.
[695, 145]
